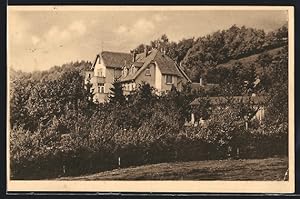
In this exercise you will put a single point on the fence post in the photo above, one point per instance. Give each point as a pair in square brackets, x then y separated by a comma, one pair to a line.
[119, 162]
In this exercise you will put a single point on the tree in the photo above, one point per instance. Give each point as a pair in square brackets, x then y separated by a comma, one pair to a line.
[231, 82]
[182, 48]
[116, 95]
[264, 60]
[224, 129]
[145, 94]
[248, 77]
[278, 105]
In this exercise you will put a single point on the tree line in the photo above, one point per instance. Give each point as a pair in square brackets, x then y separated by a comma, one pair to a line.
[198, 55]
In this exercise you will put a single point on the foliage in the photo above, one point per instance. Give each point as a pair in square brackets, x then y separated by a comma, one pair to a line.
[204, 53]
[116, 95]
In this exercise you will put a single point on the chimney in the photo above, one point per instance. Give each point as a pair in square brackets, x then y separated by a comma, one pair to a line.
[133, 55]
[156, 45]
[145, 50]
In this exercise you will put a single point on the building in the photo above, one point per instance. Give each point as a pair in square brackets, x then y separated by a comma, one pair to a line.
[154, 68]
[106, 68]
[131, 69]
[257, 103]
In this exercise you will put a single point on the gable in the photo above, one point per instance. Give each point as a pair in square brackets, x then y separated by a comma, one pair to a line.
[165, 64]
[147, 75]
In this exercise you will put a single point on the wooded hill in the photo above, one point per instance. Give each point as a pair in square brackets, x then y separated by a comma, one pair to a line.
[203, 53]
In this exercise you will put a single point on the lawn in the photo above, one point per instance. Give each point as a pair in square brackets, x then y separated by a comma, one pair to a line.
[250, 169]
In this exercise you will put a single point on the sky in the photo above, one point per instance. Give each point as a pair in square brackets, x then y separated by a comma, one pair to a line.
[41, 38]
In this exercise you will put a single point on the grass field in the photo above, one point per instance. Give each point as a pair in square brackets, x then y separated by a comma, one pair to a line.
[253, 169]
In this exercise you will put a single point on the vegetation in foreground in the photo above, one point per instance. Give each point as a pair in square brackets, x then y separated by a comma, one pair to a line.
[251, 169]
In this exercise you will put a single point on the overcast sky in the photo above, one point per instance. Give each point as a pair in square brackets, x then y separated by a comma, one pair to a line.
[38, 40]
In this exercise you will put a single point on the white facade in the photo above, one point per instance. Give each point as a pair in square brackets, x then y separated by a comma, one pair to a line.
[158, 79]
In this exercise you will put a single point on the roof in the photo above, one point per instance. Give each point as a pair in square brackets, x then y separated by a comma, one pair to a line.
[166, 65]
[138, 64]
[235, 99]
[196, 86]
[116, 59]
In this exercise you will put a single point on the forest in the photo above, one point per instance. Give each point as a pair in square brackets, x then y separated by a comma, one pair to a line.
[57, 130]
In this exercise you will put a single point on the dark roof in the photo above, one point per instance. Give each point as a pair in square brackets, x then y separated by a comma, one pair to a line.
[138, 64]
[116, 59]
[166, 65]
[146, 61]
[234, 99]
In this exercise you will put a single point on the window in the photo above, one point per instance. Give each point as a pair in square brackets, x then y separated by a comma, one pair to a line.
[169, 79]
[147, 72]
[100, 72]
[100, 88]
[89, 75]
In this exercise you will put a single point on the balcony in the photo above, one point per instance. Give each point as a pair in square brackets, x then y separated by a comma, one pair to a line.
[97, 80]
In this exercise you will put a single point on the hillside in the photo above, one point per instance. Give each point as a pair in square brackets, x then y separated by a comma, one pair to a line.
[255, 169]
[250, 59]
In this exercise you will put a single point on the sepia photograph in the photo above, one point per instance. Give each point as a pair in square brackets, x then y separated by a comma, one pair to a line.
[150, 98]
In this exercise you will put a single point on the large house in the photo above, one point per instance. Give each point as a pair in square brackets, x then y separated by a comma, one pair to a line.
[152, 66]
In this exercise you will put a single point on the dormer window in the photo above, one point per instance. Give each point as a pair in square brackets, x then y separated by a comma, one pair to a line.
[147, 72]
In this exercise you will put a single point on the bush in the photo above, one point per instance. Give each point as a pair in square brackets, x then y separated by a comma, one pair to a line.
[136, 132]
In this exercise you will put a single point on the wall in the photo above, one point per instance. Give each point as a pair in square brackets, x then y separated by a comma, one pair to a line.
[108, 74]
[158, 79]
[99, 66]
[128, 87]
[165, 86]
[146, 78]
